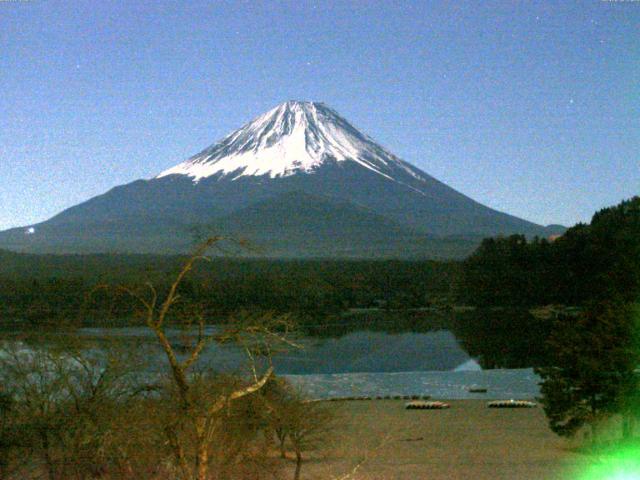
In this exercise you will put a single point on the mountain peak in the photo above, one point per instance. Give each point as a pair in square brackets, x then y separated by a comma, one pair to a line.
[300, 103]
[293, 137]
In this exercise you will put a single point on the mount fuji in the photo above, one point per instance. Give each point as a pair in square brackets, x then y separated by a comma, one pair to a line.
[297, 181]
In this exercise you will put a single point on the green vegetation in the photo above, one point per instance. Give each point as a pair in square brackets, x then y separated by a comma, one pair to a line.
[509, 278]
[49, 290]
[589, 359]
[592, 369]
[599, 260]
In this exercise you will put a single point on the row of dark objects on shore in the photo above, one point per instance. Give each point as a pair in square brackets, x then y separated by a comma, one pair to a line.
[381, 397]
[511, 404]
[399, 397]
[422, 405]
[420, 402]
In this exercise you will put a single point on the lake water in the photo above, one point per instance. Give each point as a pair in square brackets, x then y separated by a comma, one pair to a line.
[503, 384]
[365, 363]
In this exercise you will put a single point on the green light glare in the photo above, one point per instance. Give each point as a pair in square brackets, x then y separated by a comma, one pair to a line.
[620, 464]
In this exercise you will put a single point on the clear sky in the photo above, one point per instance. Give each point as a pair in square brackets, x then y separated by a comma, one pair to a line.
[532, 108]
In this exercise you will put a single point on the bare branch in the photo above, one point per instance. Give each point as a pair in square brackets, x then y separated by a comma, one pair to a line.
[171, 296]
[201, 343]
[254, 387]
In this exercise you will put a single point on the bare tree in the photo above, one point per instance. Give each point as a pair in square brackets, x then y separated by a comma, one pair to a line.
[277, 395]
[198, 405]
[311, 426]
[62, 402]
[297, 422]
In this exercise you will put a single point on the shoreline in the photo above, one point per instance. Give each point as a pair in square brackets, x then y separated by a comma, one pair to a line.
[501, 384]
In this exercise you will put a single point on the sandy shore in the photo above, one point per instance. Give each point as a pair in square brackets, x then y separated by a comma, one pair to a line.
[468, 441]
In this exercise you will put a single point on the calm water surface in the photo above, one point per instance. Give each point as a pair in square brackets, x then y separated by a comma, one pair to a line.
[365, 363]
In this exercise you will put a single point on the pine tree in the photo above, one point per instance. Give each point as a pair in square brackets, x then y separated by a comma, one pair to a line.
[592, 372]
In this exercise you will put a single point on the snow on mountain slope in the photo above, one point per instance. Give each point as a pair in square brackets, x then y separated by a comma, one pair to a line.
[294, 137]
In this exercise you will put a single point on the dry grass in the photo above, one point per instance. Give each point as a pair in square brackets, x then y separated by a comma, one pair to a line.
[468, 441]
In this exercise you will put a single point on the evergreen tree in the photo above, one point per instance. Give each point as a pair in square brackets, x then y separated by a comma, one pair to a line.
[592, 372]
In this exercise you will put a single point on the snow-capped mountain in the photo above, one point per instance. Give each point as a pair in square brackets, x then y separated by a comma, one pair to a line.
[294, 137]
[299, 180]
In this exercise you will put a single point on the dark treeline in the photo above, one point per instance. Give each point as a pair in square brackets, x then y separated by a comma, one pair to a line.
[508, 277]
[594, 267]
[55, 289]
[568, 307]
[597, 260]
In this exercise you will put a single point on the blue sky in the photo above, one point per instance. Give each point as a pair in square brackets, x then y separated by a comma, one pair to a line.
[532, 108]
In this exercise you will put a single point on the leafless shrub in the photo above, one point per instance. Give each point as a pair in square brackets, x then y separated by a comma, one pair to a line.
[298, 424]
[63, 403]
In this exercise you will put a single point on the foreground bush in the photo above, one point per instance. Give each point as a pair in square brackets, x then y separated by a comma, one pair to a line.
[89, 412]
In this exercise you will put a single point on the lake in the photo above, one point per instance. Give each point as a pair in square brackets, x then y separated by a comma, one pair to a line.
[367, 363]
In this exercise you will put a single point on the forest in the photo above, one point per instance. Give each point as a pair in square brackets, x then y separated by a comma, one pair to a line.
[53, 290]
[599, 259]
[516, 288]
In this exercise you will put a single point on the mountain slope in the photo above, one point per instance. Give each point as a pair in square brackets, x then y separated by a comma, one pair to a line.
[298, 161]
[301, 225]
